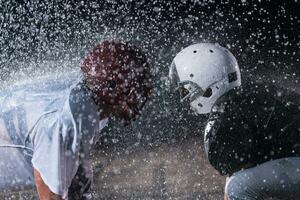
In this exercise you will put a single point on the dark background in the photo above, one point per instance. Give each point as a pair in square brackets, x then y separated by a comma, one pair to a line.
[42, 37]
[253, 30]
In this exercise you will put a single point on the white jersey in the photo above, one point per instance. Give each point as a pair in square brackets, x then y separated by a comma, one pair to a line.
[53, 123]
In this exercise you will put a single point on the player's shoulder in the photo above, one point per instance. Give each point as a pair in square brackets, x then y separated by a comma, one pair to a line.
[253, 103]
[54, 94]
[239, 105]
[249, 96]
[43, 83]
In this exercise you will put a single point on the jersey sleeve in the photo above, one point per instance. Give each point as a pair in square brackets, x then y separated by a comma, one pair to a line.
[56, 152]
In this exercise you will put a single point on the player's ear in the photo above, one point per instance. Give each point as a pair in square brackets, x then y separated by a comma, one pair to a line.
[207, 93]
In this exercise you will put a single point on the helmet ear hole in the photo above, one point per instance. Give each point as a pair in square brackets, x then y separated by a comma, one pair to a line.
[183, 92]
[208, 93]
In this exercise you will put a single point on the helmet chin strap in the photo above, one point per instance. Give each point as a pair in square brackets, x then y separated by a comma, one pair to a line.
[201, 107]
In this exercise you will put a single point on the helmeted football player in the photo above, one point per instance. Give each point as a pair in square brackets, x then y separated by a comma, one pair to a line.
[49, 126]
[253, 129]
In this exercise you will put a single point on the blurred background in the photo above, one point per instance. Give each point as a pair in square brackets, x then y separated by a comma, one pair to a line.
[159, 156]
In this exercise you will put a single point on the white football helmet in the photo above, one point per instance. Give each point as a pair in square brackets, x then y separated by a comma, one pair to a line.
[204, 72]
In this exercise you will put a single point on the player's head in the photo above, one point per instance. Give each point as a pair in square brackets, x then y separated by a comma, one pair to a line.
[119, 75]
[204, 72]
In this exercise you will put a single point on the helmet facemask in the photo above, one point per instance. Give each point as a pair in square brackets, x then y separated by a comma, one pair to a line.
[200, 99]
